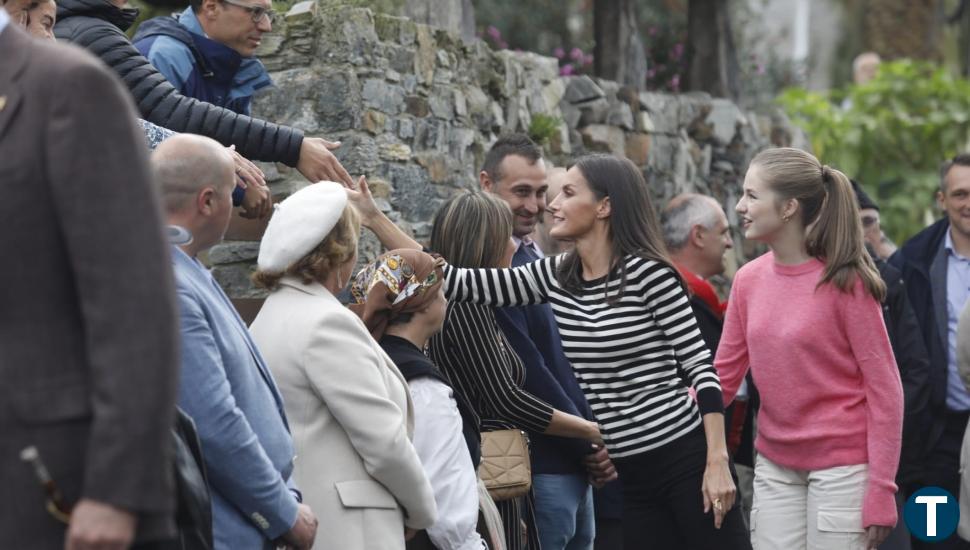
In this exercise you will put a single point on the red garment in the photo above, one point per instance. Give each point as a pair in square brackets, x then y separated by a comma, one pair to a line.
[703, 290]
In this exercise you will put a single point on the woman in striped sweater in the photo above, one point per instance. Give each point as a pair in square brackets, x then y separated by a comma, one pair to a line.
[628, 329]
[474, 230]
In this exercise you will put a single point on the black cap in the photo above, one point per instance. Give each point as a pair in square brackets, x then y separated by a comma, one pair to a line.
[865, 201]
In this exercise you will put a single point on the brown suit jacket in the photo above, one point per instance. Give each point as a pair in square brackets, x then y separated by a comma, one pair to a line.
[88, 364]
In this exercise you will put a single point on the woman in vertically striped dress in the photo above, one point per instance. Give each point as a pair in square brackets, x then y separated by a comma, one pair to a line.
[627, 327]
[474, 230]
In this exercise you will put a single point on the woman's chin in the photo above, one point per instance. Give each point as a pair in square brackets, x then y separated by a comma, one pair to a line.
[558, 233]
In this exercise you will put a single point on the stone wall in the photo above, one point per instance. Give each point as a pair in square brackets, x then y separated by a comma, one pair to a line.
[416, 108]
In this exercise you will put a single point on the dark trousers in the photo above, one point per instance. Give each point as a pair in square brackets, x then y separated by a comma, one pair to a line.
[942, 469]
[663, 507]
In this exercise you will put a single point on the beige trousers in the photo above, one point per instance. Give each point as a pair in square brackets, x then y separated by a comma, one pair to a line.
[807, 510]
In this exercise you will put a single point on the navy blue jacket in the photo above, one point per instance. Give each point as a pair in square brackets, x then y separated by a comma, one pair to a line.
[534, 336]
[198, 66]
[922, 262]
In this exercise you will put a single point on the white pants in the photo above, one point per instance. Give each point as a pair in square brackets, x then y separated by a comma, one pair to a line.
[807, 510]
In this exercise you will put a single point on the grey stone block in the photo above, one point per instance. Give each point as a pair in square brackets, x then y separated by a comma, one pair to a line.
[383, 96]
[233, 251]
[580, 89]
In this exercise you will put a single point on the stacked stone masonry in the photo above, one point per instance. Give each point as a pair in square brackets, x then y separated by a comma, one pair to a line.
[416, 108]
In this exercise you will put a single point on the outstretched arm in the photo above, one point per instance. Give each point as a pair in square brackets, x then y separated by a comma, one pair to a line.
[390, 235]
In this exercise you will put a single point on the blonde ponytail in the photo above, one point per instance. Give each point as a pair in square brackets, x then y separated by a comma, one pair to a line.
[830, 213]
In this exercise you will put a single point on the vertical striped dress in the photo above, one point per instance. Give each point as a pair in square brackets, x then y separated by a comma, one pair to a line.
[478, 360]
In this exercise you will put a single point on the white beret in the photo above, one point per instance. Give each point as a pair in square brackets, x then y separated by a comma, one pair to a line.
[300, 223]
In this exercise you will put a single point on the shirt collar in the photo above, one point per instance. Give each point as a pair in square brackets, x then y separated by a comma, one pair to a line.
[4, 19]
[529, 242]
[948, 245]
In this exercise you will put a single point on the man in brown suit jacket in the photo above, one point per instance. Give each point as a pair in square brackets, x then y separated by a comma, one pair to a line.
[87, 321]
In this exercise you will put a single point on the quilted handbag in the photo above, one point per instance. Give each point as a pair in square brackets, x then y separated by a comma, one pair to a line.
[505, 467]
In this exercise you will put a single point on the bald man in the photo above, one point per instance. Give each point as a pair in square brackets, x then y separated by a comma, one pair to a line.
[225, 385]
[865, 66]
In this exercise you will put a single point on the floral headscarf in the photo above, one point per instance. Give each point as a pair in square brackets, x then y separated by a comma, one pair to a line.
[400, 281]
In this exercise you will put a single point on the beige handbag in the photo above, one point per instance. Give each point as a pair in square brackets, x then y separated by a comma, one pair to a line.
[505, 467]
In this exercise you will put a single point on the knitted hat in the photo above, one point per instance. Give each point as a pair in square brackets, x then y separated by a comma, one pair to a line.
[299, 224]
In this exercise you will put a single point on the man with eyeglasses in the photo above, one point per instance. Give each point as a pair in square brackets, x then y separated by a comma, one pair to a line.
[99, 26]
[208, 51]
[871, 227]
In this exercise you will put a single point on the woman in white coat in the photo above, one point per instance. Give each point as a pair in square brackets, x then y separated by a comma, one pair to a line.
[348, 406]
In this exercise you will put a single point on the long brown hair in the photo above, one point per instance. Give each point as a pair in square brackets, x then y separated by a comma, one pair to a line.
[472, 230]
[830, 213]
[633, 226]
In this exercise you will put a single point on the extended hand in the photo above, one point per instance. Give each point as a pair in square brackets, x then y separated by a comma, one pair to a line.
[361, 198]
[318, 163]
[599, 467]
[301, 535]
[257, 202]
[247, 173]
[718, 489]
[875, 535]
[98, 526]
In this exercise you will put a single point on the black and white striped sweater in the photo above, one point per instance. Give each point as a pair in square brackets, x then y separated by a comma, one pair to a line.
[633, 358]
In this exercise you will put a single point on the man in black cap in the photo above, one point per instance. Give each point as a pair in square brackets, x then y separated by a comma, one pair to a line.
[911, 358]
[871, 228]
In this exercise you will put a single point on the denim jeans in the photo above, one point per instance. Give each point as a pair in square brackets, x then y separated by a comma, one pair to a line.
[564, 511]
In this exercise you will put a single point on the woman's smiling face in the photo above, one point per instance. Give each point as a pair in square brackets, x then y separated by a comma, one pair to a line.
[575, 209]
[760, 216]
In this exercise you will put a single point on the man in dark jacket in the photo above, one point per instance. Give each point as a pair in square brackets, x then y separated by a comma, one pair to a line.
[515, 172]
[935, 266]
[99, 26]
[913, 364]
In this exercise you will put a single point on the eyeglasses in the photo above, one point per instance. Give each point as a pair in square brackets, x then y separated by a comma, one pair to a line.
[256, 12]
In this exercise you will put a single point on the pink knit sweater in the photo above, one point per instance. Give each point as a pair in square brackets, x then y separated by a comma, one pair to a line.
[830, 390]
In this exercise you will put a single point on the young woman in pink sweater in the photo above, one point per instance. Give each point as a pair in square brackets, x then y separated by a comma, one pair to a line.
[806, 319]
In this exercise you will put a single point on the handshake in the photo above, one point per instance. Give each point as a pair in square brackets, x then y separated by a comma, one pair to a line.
[599, 467]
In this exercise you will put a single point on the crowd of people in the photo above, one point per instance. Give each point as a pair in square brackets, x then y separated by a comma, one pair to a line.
[554, 369]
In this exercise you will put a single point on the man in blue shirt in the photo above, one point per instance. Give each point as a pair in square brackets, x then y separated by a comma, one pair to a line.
[936, 270]
[225, 385]
[515, 171]
[208, 51]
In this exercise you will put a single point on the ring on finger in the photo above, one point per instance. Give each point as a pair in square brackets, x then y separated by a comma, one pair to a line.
[718, 505]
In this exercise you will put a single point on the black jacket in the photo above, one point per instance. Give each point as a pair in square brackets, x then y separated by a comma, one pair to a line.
[99, 26]
[914, 261]
[413, 363]
[914, 370]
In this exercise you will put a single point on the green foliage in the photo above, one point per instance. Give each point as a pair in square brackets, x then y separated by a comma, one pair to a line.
[543, 127]
[892, 136]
